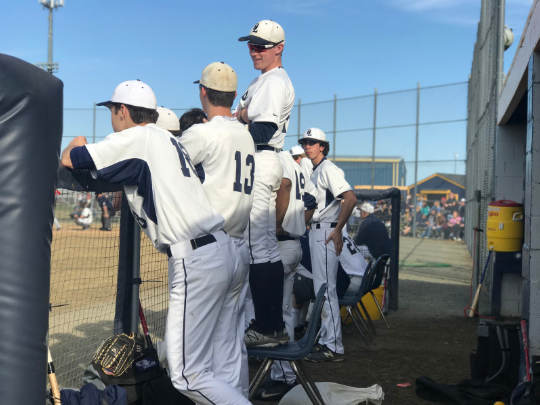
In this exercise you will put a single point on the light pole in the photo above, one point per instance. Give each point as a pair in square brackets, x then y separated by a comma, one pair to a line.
[455, 162]
[50, 66]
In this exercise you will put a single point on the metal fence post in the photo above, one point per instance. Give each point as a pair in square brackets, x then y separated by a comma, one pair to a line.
[374, 139]
[335, 125]
[299, 115]
[416, 158]
[94, 126]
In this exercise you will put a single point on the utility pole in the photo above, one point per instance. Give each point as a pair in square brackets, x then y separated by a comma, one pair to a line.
[374, 139]
[50, 66]
[415, 201]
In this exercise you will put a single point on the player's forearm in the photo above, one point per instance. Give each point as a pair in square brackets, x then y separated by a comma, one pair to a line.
[66, 158]
[347, 206]
[308, 215]
[282, 201]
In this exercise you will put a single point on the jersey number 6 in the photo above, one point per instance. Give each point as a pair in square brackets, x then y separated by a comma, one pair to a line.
[248, 184]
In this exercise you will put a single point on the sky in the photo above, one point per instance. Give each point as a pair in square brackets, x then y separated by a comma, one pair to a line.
[345, 48]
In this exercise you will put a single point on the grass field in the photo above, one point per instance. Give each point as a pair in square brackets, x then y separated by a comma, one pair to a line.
[83, 285]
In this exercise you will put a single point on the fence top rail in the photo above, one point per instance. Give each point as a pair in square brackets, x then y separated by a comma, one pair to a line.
[312, 103]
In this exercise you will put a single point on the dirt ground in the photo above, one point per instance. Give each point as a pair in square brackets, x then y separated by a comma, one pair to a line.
[428, 335]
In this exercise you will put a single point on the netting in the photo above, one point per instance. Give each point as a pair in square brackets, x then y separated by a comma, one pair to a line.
[84, 269]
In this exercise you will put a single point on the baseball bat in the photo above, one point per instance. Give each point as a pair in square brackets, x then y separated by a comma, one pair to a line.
[526, 347]
[477, 295]
[145, 327]
[55, 390]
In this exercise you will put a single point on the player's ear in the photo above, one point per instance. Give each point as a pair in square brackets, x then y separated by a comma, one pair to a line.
[235, 94]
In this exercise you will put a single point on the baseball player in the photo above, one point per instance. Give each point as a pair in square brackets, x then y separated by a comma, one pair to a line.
[223, 152]
[192, 117]
[85, 218]
[265, 107]
[168, 120]
[291, 225]
[299, 157]
[168, 201]
[336, 201]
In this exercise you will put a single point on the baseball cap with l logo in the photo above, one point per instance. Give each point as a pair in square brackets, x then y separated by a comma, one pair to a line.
[314, 134]
[265, 32]
[134, 93]
[219, 76]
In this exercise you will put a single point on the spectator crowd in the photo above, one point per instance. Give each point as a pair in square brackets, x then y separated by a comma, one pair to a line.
[439, 219]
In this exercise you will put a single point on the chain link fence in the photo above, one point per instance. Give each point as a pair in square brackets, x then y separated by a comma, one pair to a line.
[484, 87]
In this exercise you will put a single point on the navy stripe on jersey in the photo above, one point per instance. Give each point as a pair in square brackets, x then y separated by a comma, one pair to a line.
[200, 172]
[133, 172]
[309, 201]
[81, 159]
[329, 198]
[322, 160]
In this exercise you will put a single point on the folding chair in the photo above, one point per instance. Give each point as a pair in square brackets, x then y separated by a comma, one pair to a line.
[293, 352]
[375, 281]
[350, 300]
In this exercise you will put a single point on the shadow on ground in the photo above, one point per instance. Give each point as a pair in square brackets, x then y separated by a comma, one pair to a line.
[429, 334]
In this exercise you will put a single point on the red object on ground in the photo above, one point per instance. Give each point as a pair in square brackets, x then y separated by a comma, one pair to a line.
[504, 203]
[404, 385]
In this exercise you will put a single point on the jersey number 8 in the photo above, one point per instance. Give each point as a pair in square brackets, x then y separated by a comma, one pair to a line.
[248, 184]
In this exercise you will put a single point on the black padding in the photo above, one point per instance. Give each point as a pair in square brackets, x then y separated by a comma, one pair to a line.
[31, 106]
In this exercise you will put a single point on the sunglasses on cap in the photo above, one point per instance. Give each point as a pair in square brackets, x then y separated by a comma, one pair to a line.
[308, 142]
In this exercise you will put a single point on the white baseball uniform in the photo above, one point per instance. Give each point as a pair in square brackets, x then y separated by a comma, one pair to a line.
[169, 203]
[224, 155]
[302, 198]
[269, 98]
[330, 183]
[307, 166]
[352, 261]
[88, 217]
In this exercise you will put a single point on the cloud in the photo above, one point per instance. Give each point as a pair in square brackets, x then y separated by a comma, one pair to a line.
[304, 7]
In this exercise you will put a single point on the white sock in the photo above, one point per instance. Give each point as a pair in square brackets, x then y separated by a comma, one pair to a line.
[296, 316]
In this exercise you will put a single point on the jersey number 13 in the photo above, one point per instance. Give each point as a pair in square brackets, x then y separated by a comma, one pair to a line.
[248, 183]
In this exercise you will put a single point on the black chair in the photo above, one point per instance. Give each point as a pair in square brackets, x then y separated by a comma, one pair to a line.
[293, 352]
[371, 281]
[350, 300]
[375, 282]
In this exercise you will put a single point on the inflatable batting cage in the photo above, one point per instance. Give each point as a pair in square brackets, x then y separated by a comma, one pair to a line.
[31, 107]
[387, 206]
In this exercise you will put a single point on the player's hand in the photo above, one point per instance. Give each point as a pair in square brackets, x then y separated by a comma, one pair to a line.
[338, 241]
[79, 141]
[242, 116]
[105, 215]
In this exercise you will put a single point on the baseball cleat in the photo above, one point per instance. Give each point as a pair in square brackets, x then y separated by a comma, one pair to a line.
[254, 338]
[274, 391]
[323, 355]
[283, 336]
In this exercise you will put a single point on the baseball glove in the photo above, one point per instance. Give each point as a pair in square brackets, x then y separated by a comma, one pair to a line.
[117, 353]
